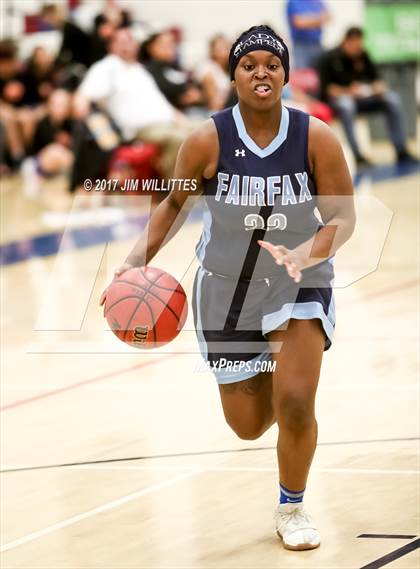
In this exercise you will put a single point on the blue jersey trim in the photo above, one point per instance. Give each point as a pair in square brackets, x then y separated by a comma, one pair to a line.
[301, 311]
[224, 377]
[199, 327]
[250, 144]
[205, 235]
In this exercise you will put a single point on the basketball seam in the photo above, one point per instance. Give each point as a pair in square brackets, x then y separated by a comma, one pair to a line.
[120, 300]
[153, 320]
[145, 291]
[130, 296]
[163, 287]
[131, 318]
[148, 291]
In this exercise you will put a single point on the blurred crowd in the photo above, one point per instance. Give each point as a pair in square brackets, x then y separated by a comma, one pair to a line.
[106, 104]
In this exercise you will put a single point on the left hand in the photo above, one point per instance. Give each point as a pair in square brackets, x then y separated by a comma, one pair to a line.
[290, 258]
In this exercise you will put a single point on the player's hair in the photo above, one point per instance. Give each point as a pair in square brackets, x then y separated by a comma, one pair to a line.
[260, 28]
[280, 50]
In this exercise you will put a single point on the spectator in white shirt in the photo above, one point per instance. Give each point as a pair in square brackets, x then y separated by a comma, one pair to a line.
[130, 96]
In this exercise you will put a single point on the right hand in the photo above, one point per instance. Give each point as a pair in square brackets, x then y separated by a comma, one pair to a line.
[117, 273]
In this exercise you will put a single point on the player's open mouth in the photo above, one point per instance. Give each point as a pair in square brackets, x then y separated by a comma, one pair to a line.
[262, 89]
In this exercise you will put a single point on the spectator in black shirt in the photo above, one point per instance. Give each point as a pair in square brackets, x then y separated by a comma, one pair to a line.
[55, 129]
[159, 55]
[51, 152]
[101, 36]
[351, 84]
[20, 107]
[12, 146]
[38, 77]
[105, 24]
[75, 43]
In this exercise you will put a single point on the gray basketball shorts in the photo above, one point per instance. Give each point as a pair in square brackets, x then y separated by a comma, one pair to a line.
[232, 318]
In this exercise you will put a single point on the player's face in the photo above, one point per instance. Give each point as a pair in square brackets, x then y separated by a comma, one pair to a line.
[259, 79]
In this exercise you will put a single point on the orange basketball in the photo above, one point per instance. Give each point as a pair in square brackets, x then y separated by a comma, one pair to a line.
[146, 307]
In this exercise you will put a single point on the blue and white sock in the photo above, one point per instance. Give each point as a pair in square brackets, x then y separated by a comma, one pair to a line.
[289, 497]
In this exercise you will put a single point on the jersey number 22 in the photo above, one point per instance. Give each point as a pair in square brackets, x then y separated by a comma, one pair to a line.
[275, 221]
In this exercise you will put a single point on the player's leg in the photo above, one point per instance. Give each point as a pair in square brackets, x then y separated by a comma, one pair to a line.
[295, 382]
[247, 405]
[245, 391]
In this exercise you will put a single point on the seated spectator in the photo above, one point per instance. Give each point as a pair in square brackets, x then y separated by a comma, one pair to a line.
[296, 98]
[51, 152]
[213, 75]
[75, 44]
[306, 19]
[101, 36]
[351, 84]
[130, 96]
[38, 77]
[24, 91]
[116, 15]
[12, 91]
[159, 55]
[110, 19]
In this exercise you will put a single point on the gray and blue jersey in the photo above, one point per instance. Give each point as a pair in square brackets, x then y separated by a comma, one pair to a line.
[268, 189]
[240, 294]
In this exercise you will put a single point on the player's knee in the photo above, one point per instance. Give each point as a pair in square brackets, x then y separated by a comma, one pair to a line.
[249, 430]
[295, 412]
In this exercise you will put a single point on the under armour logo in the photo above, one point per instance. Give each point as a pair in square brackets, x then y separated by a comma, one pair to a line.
[239, 152]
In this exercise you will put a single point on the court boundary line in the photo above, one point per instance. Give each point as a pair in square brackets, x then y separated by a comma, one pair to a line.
[243, 468]
[185, 454]
[97, 510]
[108, 506]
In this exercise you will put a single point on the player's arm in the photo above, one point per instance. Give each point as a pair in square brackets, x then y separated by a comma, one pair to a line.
[168, 217]
[335, 204]
[335, 194]
[171, 213]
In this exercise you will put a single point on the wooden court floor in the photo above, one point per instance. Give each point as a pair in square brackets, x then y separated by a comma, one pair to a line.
[114, 459]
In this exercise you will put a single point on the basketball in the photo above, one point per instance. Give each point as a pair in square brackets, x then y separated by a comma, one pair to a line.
[146, 307]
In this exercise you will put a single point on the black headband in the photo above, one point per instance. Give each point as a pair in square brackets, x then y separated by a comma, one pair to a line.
[259, 38]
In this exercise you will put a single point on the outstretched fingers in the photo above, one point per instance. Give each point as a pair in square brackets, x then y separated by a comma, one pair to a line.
[283, 256]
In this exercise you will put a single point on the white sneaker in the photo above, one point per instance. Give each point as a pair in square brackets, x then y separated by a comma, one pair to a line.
[295, 527]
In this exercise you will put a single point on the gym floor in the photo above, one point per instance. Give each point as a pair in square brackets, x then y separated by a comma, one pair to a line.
[118, 458]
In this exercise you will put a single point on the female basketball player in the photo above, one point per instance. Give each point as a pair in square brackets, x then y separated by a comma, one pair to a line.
[263, 290]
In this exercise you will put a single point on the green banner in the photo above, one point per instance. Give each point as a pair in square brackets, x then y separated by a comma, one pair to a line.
[393, 32]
